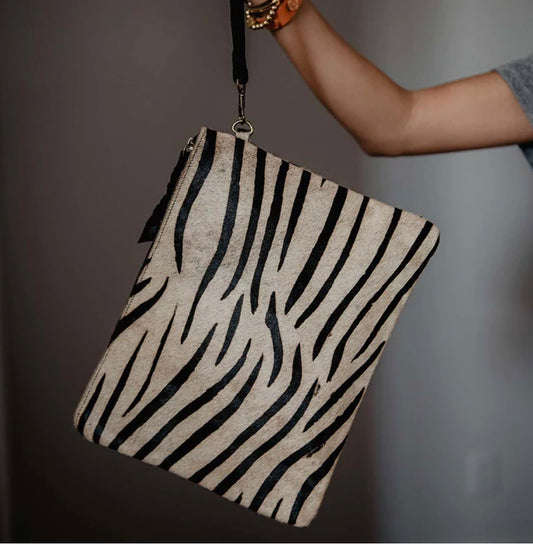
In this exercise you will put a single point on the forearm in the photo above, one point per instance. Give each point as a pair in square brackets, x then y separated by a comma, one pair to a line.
[369, 104]
[473, 112]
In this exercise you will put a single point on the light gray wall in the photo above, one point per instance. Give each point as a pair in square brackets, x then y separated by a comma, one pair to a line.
[97, 98]
[452, 397]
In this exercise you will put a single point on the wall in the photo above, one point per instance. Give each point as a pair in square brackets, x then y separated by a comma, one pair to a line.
[97, 99]
[5, 514]
[452, 396]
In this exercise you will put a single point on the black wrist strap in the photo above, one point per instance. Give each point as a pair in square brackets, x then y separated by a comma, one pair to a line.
[240, 70]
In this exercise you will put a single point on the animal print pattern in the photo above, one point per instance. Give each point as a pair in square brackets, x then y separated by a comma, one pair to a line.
[254, 327]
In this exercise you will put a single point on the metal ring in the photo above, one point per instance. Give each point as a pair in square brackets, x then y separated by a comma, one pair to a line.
[243, 121]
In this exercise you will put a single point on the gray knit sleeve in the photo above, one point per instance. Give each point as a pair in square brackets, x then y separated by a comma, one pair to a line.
[518, 74]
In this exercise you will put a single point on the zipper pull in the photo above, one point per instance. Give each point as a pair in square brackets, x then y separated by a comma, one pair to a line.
[154, 221]
[190, 144]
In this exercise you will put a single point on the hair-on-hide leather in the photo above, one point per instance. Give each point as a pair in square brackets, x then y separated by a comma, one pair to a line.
[253, 327]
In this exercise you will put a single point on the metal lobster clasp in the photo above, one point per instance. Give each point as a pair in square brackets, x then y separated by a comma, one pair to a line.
[242, 127]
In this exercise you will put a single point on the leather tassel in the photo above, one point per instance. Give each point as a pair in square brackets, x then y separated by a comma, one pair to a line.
[154, 221]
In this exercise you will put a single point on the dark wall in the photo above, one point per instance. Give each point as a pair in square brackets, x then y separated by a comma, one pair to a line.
[97, 99]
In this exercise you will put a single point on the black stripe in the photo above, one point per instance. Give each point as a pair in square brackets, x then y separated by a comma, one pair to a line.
[232, 327]
[259, 188]
[239, 498]
[215, 422]
[339, 350]
[274, 513]
[282, 400]
[192, 407]
[148, 378]
[90, 406]
[343, 305]
[342, 389]
[394, 303]
[271, 321]
[146, 261]
[318, 249]
[270, 231]
[310, 483]
[204, 167]
[139, 286]
[338, 266]
[137, 312]
[322, 182]
[225, 235]
[153, 224]
[164, 395]
[297, 205]
[311, 446]
[113, 399]
[247, 463]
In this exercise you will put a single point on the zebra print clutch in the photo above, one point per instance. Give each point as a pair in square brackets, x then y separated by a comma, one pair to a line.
[254, 326]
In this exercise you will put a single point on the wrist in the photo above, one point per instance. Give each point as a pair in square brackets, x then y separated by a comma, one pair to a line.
[271, 14]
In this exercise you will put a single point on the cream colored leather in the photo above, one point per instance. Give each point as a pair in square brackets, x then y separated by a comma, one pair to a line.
[252, 395]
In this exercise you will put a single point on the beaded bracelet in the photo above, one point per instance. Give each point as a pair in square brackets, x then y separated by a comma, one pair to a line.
[260, 16]
[278, 14]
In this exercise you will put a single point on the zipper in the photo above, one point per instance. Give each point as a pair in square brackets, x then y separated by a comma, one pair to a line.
[190, 144]
[153, 223]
